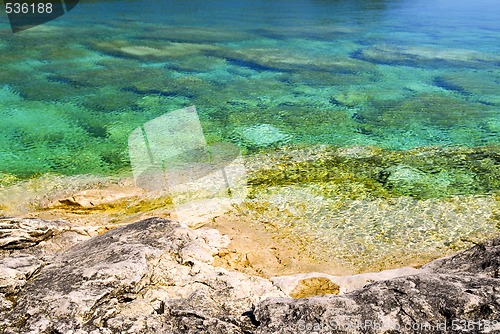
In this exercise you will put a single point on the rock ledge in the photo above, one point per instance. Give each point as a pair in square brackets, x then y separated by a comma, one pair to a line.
[156, 276]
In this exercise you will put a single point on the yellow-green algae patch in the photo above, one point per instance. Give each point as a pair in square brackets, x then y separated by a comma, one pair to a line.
[371, 172]
[376, 209]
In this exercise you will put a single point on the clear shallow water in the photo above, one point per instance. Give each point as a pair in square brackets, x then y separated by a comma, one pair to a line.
[393, 74]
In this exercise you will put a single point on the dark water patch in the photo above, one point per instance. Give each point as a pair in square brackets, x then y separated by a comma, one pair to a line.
[447, 85]
[158, 92]
[254, 66]
[66, 81]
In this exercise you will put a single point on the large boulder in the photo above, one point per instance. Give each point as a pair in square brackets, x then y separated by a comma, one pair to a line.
[150, 276]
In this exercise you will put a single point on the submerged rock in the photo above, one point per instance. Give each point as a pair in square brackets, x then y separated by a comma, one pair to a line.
[278, 60]
[479, 86]
[262, 135]
[153, 50]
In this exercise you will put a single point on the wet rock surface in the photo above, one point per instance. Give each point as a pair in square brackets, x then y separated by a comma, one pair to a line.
[158, 276]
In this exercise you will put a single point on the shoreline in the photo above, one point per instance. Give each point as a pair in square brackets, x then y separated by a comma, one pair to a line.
[157, 275]
[334, 210]
[265, 244]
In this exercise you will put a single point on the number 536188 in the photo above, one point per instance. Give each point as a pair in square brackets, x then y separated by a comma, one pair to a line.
[28, 8]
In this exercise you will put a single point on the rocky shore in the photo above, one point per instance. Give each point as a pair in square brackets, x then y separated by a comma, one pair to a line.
[328, 240]
[157, 276]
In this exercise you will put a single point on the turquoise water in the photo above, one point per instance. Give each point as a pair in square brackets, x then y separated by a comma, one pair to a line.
[392, 74]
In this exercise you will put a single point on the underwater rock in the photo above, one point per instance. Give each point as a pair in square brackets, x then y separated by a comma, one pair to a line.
[430, 119]
[18, 233]
[15, 271]
[422, 56]
[96, 197]
[195, 64]
[269, 59]
[262, 135]
[153, 50]
[316, 284]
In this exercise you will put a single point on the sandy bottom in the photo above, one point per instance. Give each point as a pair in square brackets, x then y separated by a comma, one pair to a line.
[264, 249]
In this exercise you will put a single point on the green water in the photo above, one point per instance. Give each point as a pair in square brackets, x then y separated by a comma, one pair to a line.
[392, 74]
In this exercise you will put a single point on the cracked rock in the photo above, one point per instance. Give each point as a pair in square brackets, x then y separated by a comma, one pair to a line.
[156, 276]
[17, 233]
[462, 289]
[149, 276]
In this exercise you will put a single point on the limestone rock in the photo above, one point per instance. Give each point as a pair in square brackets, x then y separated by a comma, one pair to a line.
[314, 286]
[18, 233]
[150, 276]
[462, 289]
[157, 276]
